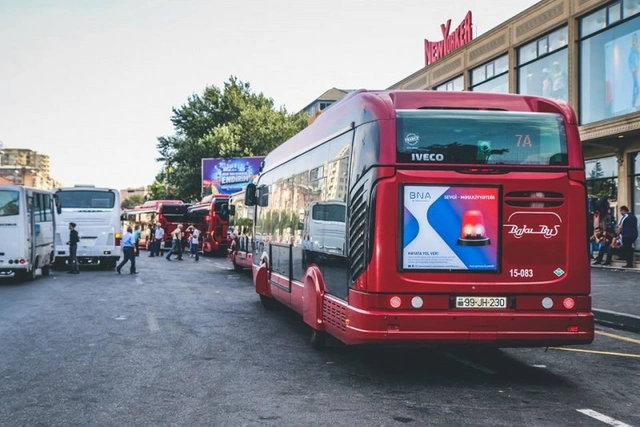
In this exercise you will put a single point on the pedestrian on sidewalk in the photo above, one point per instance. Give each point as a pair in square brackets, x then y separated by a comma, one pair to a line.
[73, 249]
[628, 230]
[176, 243]
[128, 251]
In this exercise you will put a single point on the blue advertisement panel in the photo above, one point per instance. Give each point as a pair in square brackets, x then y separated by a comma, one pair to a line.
[450, 228]
[228, 176]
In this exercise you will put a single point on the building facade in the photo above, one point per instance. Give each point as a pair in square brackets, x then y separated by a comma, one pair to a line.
[26, 167]
[584, 52]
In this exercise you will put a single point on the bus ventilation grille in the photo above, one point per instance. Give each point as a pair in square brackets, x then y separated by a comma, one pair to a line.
[334, 314]
[357, 220]
[534, 199]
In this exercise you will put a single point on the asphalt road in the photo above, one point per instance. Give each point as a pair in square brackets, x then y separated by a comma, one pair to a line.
[188, 344]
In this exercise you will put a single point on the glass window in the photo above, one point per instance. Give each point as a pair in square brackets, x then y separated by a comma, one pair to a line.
[636, 192]
[492, 76]
[480, 137]
[9, 202]
[609, 63]
[614, 12]
[86, 199]
[545, 77]
[456, 84]
[545, 72]
[631, 8]
[605, 167]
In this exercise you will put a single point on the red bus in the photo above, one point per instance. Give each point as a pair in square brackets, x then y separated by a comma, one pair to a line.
[240, 250]
[167, 213]
[211, 216]
[463, 221]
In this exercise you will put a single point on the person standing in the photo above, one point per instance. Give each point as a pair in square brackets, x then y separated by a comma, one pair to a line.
[176, 243]
[73, 249]
[195, 236]
[128, 251]
[136, 236]
[152, 240]
[159, 237]
[628, 230]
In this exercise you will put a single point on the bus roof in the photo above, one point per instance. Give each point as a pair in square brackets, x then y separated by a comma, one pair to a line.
[364, 106]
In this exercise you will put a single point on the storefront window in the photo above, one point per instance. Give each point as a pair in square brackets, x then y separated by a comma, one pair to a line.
[602, 190]
[492, 76]
[636, 192]
[456, 84]
[542, 66]
[609, 63]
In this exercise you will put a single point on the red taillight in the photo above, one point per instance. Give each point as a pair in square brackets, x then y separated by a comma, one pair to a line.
[572, 329]
[473, 232]
[22, 261]
[395, 302]
[569, 303]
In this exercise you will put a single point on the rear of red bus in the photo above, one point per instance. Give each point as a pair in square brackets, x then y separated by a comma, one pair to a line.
[487, 197]
[217, 225]
[169, 216]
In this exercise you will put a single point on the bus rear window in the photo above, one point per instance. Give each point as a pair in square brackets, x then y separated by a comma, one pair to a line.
[86, 199]
[174, 213]
[329, 213]
[9, 202]
[480, 137]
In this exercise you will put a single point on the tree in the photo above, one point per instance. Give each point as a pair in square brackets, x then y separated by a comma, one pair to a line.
[132, 201]
[228, 122]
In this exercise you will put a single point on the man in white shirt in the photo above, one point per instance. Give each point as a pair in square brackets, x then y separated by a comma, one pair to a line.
[195, 235]
[157, 245]
[176, 243]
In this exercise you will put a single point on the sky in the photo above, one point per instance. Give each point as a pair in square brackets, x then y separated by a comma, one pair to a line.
[92, 83]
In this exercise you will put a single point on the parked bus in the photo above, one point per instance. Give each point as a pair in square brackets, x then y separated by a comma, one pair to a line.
[240, 250]
[167, 213]
[96, 213]
[211, 216]
[27, 227]
[464, 222]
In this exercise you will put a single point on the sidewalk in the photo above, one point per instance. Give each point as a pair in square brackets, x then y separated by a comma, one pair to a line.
[616, 297]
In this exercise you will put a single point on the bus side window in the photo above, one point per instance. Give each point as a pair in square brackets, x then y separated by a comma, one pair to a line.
[263, 196]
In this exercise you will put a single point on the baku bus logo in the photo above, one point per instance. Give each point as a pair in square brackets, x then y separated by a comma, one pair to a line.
[546, 224]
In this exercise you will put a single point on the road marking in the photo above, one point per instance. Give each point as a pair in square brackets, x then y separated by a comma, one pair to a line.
[470, 364]
[138, 281]
[607, 353]
[121, 318]
[601, 417]
[153, 322]
[620, 337]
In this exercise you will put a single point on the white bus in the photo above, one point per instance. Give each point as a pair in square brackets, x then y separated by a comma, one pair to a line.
[96, 213]
[27, 227]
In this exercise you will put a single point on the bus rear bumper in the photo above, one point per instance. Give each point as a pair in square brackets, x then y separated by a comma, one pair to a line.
[532, 329]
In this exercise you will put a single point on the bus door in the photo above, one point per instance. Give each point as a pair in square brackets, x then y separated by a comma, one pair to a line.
[281, 268]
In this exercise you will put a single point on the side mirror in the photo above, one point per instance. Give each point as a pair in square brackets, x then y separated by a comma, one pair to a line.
[250, 195]
[123, 217]
[57, 204]
[232, 210]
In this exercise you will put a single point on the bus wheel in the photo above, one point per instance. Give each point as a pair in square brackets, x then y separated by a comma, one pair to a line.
[318, 339]
[46, 270]
[268, 303]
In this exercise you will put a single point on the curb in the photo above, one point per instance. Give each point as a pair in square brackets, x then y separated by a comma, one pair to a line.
[613, 319]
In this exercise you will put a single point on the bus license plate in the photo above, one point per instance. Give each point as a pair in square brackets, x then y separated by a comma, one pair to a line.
[481, 302]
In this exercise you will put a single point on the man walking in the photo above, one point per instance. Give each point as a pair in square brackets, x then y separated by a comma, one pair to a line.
[628, 231]
[195, 236]
[176, 243]
[73, 249]
[128, 251]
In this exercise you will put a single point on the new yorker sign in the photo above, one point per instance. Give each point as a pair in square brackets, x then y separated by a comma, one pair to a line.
[450, 41]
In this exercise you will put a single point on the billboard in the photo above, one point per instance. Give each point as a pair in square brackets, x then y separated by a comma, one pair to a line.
[450, 228]
[230, 175]
[622, 64]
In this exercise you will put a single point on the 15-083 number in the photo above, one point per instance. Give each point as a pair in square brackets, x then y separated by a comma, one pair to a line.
[521, 272]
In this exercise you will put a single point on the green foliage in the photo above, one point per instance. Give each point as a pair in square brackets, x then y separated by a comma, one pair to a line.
[132, 201]
[228, 122]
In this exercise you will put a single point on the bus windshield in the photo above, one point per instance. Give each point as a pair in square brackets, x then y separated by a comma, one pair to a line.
[9, 205]
[86, 199]
[480, 137]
